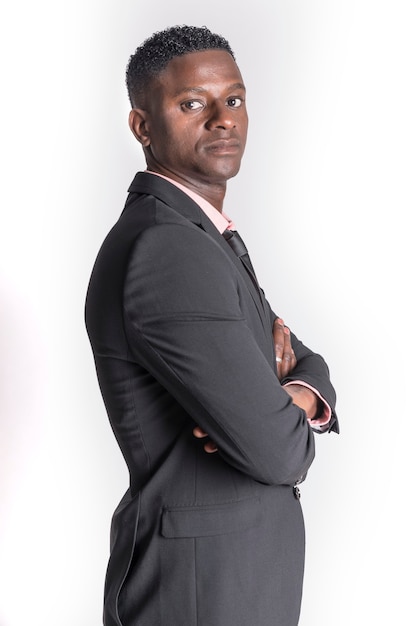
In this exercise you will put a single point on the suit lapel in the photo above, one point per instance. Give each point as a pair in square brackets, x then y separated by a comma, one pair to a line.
[255, 293]
[175, 198]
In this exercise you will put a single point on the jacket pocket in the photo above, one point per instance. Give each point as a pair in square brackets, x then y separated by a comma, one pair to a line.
[210, 520]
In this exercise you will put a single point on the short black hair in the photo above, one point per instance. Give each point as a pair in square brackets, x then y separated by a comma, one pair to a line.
[154, 54]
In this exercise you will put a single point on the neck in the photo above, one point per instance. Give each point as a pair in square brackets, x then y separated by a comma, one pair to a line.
[213, 191]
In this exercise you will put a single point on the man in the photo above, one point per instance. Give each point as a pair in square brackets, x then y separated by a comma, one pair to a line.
[183, 343]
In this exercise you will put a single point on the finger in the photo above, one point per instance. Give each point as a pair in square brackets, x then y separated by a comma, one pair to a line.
[199, 433]
[279, 342]
[278, 336]
[288, 355]
[210, 447]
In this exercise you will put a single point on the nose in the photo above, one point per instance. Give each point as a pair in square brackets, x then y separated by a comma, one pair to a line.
[221, 116]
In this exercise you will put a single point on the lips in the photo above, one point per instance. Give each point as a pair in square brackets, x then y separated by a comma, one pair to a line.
[224, 146]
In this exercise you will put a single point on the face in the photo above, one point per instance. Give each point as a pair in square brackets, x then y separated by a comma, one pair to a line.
[194, 123]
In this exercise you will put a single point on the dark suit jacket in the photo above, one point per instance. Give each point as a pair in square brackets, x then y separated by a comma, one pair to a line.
[181, 337]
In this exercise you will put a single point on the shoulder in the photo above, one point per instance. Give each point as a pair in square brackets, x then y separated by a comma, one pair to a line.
[177, 244]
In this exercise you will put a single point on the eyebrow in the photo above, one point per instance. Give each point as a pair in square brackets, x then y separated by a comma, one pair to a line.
[198, 90]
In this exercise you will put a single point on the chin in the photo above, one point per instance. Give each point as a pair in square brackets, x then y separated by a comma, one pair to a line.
[226, 173]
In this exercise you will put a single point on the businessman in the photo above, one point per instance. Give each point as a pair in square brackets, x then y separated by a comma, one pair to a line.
[212, 400]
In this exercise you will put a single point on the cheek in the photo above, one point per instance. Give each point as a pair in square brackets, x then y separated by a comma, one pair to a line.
[244, 127]
[177, 137]
[183, 143]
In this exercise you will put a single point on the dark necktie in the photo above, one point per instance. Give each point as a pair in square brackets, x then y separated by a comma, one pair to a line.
[238, 246]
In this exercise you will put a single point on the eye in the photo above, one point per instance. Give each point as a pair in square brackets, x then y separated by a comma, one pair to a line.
[192, 105]
[235, 103]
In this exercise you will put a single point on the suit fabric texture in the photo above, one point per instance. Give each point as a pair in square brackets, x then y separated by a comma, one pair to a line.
[181, 336]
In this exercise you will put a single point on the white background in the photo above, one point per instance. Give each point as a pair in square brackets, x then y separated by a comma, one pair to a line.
[331, 172]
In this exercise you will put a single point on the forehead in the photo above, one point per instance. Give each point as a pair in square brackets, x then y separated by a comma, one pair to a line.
[206, 69]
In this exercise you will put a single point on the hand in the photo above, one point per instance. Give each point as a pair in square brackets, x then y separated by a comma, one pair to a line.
[304, 398]
[209, 445]
[285, 357]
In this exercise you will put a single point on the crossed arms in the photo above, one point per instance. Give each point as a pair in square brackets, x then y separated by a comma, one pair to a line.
[302, 396]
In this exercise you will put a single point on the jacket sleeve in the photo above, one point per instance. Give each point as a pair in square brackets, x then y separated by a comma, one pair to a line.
[184, 323]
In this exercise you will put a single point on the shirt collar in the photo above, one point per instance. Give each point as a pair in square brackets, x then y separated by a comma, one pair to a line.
[220, 220]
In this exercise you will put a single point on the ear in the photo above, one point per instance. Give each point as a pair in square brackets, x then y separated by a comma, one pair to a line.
[138, 123]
